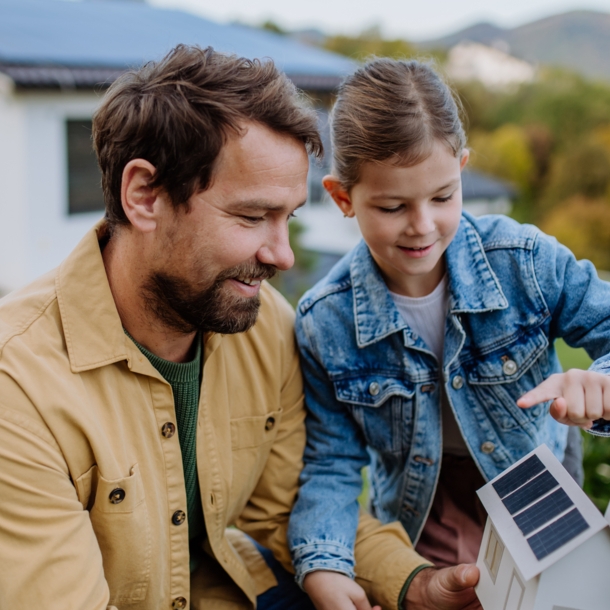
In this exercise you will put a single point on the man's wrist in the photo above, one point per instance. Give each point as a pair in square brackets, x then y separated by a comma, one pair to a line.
[402, 598]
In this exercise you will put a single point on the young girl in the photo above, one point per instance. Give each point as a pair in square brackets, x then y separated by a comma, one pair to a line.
[418, 344]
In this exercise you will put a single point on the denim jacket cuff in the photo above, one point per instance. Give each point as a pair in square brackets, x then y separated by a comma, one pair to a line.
[329, 556]
[601, 427]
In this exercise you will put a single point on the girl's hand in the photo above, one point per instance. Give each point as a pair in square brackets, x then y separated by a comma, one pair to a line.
[334, 591]
[579, 397]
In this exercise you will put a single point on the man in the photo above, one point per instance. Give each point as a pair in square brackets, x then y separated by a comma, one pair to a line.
[142, 410]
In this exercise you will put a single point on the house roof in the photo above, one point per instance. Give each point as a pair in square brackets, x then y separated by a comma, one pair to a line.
[56, 43]
[539, 512]
[476, 185]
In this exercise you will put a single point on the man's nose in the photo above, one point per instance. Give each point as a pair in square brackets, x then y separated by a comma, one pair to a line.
[276, 250]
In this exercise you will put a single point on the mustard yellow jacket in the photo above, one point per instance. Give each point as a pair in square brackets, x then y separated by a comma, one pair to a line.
[82, 425]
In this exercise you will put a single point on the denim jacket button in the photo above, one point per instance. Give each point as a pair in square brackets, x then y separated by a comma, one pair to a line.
[509, 367]
[488, 447]
[457, 382]
[374, 388]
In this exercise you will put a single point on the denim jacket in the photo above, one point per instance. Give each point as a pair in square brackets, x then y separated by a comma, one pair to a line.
[373, 386]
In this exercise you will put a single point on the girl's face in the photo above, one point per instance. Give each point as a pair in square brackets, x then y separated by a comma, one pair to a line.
[408, 216]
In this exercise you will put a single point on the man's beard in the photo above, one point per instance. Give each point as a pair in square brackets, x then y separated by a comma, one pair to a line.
[179, 306]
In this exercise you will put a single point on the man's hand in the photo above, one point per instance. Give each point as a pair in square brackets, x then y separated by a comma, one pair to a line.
[334, 591]
[579, 397]
[444, 589]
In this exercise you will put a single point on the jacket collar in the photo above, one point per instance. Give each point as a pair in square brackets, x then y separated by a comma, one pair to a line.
[91, 323]
[473, 286]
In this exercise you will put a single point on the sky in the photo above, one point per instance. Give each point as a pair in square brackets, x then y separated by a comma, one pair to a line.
[413, 20]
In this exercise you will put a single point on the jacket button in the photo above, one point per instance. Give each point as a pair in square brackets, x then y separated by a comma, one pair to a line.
[374, 388]
[488, 447]
[270, 423]
[116, 496]
[509, 367]
[179, 603]
[168, 430]
[458, 382]
[178, 517]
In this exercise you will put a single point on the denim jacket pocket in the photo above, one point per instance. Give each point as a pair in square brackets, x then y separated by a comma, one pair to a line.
[383, 407]
[500, 377]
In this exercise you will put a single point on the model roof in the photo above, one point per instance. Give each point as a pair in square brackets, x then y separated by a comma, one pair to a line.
[114, 35]
[539, 511]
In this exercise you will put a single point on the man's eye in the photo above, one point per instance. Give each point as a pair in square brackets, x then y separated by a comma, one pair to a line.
[253, 219]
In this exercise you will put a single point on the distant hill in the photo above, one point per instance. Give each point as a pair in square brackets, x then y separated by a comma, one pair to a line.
[577, 40]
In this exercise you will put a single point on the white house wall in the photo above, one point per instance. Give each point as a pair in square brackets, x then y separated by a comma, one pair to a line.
[13, 188]
[41, 231]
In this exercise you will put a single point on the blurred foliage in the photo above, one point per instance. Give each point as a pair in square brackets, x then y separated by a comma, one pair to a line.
[271, 26]
[506, 153]
[370, 42]
[582, 225]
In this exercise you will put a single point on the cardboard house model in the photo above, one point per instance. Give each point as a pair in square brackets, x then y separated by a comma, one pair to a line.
[545, 545]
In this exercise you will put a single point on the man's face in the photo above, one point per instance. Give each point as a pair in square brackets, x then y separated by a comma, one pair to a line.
[210, 260]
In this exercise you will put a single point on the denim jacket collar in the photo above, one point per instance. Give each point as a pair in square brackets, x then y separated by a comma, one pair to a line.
[473, 286]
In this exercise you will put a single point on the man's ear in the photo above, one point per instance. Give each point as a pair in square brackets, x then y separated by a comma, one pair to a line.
[464, 159]
[140, 201]
[340, 196]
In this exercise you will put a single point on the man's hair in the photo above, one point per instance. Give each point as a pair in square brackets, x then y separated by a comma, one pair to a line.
[392, 110]
[178, 113]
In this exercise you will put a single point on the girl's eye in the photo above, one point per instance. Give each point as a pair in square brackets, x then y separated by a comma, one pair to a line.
[391, 210]
[443, 199]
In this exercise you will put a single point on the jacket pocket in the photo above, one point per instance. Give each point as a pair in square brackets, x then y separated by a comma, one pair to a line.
[254, 431]
[383, 407]
[501, 377]
[120, 519]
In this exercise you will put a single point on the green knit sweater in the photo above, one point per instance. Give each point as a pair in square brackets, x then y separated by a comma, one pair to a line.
[185, 379]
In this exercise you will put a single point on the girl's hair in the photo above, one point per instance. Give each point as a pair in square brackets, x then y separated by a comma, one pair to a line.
[392, 110]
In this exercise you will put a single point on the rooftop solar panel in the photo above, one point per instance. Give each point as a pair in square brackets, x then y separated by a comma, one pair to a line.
[543, 511]
[557, 534]
[530, 492]
[518, 476]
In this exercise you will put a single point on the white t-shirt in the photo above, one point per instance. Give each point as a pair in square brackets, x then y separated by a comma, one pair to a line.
[426, 316]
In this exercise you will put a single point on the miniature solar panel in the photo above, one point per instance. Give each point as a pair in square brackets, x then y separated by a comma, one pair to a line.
[557, 534]
[518, 476]
[543, 511]
[530, 492]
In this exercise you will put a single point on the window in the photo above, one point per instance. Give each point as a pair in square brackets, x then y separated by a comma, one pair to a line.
[493, 554]
[84, 177]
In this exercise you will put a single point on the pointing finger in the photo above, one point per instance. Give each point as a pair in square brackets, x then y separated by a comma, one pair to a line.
[547, 390]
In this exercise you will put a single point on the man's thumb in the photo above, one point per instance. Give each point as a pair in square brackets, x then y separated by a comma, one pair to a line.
[461, 577]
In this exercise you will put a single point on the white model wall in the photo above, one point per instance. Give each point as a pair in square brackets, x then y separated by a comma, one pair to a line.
[578, 581]
[36, 232]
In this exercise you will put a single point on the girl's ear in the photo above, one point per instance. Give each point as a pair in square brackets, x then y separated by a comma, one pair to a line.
[340, 196]
[464, 159]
